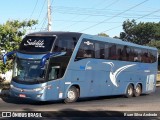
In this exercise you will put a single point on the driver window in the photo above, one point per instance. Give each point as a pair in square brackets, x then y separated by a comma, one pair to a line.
[54, 72]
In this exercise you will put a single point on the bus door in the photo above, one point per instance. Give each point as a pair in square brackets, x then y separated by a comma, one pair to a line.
[55, 72]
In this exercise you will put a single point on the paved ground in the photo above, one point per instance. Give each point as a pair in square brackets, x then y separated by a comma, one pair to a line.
[116, 105]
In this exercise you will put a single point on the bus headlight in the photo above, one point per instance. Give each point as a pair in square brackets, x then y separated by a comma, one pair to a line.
[39, 95]
[41, 88]
[38, 89]
[11, 86]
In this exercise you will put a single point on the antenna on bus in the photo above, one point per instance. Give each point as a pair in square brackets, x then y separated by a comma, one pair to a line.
[49, 16]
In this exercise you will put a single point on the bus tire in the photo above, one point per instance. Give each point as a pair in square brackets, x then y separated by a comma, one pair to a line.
[72, 95]
[138, 90]
[129, 91]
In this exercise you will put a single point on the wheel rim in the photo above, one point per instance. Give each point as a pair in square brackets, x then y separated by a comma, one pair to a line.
[130, 91]
[71, 95]
[138, 90]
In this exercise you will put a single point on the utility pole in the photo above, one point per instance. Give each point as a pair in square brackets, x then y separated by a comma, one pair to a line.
[49, 16]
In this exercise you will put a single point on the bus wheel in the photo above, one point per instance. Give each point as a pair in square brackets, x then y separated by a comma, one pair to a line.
[72, 95]
[129, 91]
[138, 90]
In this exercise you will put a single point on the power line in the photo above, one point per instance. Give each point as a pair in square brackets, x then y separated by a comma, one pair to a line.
[82, 21]
[113, 16]
[40, 13]
[98, 12]
[90, 15]
[135, 19]
[122, 16]
[78, 15]
[89, 9]
[42, 9]
[44, 21]
[148, 14]
[34, 9]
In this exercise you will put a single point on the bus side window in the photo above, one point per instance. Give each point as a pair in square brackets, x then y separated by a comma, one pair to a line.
[112, 52]
[137, 55]
[153, 56]
[99, 50]
[144, 55]
[86, 50]
[131, 55]
[125, 53]
[106, 51]
[119, 52]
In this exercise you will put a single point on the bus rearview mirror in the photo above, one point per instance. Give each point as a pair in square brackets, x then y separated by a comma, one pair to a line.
[49, 55]
[6, 55]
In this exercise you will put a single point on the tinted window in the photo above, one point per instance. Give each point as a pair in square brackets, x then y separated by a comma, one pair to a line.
[65, 45]
[86, 49]
[137, 55]
[99, 50]
[37, 44]
[153, 56]
[119, 52]
[106, 51]
[125, 53]
[145, 57]
[131, 54]
[111, 51]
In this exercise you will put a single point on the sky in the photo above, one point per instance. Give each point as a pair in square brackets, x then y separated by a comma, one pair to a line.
[85, 16]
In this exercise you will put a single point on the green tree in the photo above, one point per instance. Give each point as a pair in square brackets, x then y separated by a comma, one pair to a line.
[103, 34]
[140, 33]
[11, 34]
[155, 43]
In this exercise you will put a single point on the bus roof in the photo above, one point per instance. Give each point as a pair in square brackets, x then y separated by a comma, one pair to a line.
[57, 33]
[94, 37]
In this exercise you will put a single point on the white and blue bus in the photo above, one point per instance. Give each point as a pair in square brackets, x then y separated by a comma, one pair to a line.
[67, 65]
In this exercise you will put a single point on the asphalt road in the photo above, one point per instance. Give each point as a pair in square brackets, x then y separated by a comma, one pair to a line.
[118, 104]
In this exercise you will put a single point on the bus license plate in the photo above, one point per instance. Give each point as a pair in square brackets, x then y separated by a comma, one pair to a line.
[22, 95]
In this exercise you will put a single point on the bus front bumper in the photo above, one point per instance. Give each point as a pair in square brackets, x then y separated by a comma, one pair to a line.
[28, 94]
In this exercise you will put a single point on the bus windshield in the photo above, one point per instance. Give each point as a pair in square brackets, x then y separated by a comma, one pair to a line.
[28, 72]
[37, 44]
